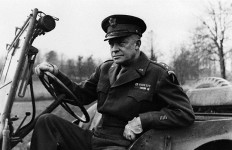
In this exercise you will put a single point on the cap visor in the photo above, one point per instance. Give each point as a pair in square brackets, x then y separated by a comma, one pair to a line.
[117, 36]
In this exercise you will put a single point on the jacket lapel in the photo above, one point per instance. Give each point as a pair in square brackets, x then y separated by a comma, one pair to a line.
[134, 72]
[126, 77]
[114, 69]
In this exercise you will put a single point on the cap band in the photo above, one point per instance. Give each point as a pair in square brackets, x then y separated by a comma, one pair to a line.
[124, 28]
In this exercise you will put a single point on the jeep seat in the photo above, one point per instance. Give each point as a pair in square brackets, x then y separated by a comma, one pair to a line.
[95, 118]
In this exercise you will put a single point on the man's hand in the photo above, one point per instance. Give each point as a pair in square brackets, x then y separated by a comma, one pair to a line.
[132, 128]
[45, 66]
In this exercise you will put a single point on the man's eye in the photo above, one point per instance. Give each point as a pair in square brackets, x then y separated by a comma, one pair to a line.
[119, 43]
[122, 43]
[111, 43]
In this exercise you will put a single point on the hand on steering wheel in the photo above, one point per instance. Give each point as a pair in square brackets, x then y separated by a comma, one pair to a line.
[44, 72]
[45, 66]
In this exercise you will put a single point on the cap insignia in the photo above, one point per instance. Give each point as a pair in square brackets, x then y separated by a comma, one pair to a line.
[112, 22]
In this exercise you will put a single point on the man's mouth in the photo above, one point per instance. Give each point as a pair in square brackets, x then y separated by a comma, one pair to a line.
[116, 57]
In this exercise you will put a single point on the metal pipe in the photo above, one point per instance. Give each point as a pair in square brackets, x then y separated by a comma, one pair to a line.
[5, 139]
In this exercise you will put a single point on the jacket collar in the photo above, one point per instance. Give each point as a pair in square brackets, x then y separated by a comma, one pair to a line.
[133, 72]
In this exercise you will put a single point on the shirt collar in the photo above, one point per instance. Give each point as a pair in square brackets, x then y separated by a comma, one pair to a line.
[141, 64]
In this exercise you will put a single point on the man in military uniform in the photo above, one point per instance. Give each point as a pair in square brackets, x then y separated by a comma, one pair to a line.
[133, 95]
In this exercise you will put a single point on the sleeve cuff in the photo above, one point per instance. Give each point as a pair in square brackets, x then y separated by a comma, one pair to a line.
[151, 120]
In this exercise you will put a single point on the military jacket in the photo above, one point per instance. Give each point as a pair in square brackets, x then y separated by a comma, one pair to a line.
[147, 89]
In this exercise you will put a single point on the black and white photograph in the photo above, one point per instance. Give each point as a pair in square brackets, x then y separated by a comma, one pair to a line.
[116, 75]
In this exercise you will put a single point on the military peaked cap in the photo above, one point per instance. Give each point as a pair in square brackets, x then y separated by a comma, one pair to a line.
[122, 25]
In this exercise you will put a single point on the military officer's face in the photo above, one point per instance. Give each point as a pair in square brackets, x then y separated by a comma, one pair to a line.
[125, 50]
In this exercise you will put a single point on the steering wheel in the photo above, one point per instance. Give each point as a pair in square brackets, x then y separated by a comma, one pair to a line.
[45, 77]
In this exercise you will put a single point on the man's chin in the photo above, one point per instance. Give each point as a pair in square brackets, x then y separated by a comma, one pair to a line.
[118, 61]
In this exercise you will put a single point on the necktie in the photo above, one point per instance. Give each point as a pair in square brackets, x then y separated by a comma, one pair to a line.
[123, 70]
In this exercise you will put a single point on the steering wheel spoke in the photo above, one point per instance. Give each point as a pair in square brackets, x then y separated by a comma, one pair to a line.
[70, 101]
[45, 78]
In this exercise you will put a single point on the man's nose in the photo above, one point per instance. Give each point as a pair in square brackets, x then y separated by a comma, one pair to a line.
[115, 48]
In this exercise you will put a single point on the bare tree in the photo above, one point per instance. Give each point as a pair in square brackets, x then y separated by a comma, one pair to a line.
[185, 64]
[217, 23]
[149, 46]
[203, 49]
[89, 66]
[153, 55]
[80, 67]
[62, 62]
[71, 68]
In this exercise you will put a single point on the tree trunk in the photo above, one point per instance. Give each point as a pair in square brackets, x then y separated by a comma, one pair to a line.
[222, 67]
[222, 63]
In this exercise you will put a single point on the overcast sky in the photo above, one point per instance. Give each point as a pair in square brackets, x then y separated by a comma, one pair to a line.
[78, 31]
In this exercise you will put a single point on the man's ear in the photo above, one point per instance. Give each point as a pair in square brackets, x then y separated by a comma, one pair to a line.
[138, 44]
